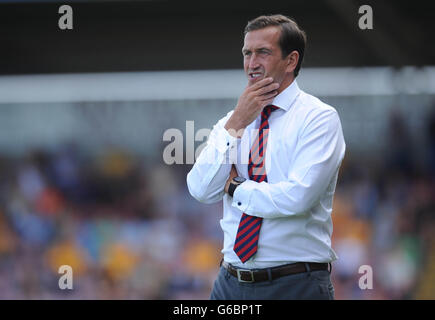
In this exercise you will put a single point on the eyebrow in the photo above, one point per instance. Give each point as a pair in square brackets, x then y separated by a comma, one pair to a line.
[244, 51]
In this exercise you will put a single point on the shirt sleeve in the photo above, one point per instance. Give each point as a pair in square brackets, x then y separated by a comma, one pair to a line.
[206, 180]
[319, 153]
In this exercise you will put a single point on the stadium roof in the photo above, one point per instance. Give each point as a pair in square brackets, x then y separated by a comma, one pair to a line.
[113, 36]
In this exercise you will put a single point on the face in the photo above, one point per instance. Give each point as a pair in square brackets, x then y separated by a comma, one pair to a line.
[263, 58]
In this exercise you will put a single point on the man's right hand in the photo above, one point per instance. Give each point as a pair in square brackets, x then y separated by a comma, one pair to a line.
[250, 104]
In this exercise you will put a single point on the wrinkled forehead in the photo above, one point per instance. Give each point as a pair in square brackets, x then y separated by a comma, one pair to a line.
[267, 37]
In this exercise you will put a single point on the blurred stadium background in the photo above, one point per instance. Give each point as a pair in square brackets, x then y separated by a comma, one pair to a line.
[82, 117]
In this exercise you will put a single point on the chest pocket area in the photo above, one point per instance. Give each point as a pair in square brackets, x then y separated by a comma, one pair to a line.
[283, 154]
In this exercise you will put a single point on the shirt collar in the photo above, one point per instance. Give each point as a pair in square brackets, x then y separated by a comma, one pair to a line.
[286, 98]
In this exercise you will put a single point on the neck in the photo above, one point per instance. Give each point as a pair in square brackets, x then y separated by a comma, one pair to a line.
[286, 83]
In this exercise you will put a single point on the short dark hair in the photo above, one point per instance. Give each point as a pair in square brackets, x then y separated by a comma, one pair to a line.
[292, 37]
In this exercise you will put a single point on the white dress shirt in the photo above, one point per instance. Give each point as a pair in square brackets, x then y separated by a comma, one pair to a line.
[304, 152]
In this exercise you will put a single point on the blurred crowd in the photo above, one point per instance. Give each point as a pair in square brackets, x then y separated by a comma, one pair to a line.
[130, 230]
[384, 218]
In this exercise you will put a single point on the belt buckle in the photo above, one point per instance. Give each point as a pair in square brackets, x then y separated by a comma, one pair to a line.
[239, 275]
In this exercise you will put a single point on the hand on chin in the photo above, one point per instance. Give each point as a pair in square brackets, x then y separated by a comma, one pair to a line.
[251, 81]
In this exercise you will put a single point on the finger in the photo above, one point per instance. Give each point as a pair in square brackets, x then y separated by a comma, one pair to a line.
[269, 95]
[266, 89]
[259, 84]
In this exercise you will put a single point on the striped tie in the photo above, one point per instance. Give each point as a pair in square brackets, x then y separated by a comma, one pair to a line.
[246, 243]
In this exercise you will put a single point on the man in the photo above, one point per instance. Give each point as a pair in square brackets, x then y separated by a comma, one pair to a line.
[277, 205]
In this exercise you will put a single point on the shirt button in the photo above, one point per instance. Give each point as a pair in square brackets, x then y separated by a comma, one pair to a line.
[228, 143]
[239, 203]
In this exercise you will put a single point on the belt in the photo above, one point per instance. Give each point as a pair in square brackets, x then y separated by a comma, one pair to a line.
[268, 274]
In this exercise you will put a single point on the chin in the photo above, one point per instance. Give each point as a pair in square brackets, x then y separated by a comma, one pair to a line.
[254, 80]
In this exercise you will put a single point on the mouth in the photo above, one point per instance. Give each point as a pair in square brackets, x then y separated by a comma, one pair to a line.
[255, 75]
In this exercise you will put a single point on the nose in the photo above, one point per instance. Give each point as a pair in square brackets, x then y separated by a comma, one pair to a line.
[253, 62]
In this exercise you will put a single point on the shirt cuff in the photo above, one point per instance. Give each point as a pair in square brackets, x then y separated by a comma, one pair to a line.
[223, 141]
[242, 196]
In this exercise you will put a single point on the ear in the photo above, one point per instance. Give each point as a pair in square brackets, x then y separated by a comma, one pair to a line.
[292, 61]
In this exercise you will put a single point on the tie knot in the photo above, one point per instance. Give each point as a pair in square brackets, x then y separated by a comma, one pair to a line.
[267, 111]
